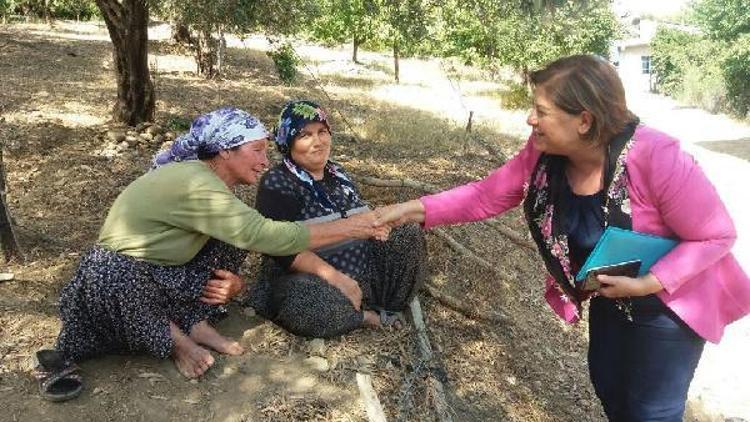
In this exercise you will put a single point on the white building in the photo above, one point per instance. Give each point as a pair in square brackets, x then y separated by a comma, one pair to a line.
[632, 56]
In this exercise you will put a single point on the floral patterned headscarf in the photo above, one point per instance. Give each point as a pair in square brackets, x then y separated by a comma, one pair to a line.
[216, 131]
[294, 116]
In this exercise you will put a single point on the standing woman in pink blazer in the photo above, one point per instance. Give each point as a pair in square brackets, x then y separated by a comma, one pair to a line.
[589, 164]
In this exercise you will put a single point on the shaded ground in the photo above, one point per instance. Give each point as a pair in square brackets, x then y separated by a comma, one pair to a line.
[739, 148]
[57, 88]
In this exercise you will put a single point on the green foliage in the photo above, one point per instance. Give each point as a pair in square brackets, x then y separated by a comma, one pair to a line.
[207, 18]
[405, 23]
[286, 62]
[711, 70]
[673, 52]
[723, 20]
[344, 20]
[516, 96]
[5, 7]
[704, 87]
[510, 33]
[178, 123]
[74, 9]
[59, 9]
[736, 72]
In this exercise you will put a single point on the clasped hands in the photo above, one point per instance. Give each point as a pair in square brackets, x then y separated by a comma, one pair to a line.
[398, 214]
[220, 289]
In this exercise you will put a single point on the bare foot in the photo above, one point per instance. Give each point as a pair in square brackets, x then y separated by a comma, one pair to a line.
[191, 360]
[206, 335]
[371, 319]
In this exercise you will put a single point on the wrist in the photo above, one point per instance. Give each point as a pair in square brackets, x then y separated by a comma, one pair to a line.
[650, 284]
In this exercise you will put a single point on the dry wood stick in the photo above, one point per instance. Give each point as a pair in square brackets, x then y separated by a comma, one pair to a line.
[370, 398]
[511, 234]
[469, 310]
[492, 149]
[423, 342]
[398, 183]
[469, 254]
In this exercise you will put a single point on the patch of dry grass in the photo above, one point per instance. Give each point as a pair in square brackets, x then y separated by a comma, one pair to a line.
[56, 110]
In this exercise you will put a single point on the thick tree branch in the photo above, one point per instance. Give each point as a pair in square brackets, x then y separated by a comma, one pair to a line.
[467, 309]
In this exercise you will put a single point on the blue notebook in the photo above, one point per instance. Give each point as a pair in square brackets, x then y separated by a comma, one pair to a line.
[617, 245]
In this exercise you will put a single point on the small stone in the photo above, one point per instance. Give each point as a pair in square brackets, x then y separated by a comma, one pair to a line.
[154, 130]
[115, 135]
[316, 347]
[131, 133]
[142, 126]
[98, 390]
[158, 139]
[7, 276]
[318, 363]
[146, 137]
[169, 135]
[131, 139]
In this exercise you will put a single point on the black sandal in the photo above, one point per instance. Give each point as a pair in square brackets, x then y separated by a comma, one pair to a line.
[58, 378]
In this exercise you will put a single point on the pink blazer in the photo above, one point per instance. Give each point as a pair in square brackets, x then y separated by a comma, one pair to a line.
[669, 196]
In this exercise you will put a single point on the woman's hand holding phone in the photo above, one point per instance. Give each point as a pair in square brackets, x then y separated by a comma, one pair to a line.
[613, 286]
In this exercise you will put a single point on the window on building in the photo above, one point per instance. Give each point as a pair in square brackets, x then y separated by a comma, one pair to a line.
[646, 65]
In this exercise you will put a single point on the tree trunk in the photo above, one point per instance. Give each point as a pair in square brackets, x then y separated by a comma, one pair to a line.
[205, 54]
[395, 60]
[355, 48]
[220, 52]
[127, 23]
[8, 240]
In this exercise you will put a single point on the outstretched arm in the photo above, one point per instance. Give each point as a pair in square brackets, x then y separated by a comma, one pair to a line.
[502, 190]
[401, 213]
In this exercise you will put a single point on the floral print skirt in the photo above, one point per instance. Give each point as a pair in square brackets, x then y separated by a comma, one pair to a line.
[116, 304]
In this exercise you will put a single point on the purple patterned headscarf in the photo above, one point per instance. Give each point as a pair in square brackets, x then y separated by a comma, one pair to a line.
[216, 131]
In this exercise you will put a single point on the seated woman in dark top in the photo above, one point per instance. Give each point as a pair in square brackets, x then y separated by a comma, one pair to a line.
[333, 290]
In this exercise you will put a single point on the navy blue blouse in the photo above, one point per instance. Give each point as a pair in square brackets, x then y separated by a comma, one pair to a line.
[584, 224]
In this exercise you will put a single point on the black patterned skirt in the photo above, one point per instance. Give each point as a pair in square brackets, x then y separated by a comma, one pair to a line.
[120, 305]
[389, 274]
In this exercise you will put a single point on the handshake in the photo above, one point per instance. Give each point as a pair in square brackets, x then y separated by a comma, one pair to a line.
[378, 223]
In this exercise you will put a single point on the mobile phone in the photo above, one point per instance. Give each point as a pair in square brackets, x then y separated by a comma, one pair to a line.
[626, 269]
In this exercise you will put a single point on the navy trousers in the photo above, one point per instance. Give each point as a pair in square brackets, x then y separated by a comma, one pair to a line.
[641, 369]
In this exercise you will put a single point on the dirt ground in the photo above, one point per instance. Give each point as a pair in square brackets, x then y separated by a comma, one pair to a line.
[63, 173]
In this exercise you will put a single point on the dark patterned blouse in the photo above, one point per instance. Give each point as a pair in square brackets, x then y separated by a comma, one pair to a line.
[282, 196]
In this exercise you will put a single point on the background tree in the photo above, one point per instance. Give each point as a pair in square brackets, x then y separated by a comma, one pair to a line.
[127, 23]
[724, 20]
[207, 22]
[526, 34]
[406, 24]
[348, 20]
[710, 68]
